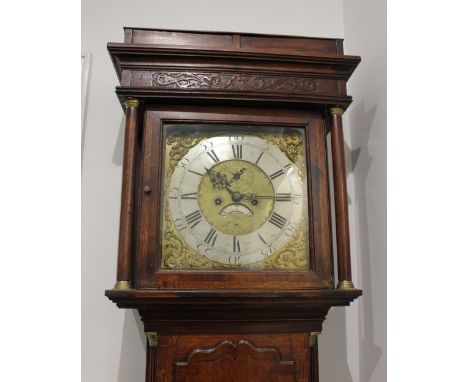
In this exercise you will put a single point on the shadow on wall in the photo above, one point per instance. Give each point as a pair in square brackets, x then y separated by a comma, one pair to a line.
[361, 122]
[132, 363]
[117, 158]
[332, 348]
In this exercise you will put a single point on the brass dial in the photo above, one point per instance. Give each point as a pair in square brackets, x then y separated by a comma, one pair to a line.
[236, 200]
[236, 197]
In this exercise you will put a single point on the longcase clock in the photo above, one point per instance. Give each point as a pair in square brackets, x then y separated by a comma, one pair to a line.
[225, 241]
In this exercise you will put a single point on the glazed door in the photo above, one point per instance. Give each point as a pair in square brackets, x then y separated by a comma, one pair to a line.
[166, 259]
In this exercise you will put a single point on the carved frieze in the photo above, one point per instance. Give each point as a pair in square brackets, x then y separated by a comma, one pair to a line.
[234, 82]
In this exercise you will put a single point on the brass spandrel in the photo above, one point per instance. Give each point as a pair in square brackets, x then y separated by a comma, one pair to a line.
[290, 256]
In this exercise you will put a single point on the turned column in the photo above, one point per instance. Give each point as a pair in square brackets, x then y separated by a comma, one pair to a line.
[124, 261]
[341, 200]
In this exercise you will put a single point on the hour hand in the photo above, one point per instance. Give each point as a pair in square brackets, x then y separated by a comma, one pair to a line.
[237, 175]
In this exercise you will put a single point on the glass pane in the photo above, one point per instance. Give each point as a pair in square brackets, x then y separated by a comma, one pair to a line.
[235, 197]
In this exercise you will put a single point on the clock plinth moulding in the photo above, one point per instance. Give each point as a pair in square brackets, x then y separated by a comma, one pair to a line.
[228, 304]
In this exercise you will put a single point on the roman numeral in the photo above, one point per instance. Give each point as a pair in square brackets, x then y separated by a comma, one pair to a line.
[235, 244]
[283, 197]
[276, 174]
[233, 260]
[191, 195]
[259, 157]
[213, 156]
[196, 173]
[194, 218]
[210, 239]
[277, 220]
[237, 151]
[261, 238]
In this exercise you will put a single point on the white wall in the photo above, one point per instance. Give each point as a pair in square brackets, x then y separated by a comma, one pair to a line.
[113, 345]
[365, 33]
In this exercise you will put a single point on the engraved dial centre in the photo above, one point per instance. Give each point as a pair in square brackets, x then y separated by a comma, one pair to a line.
[236, 197]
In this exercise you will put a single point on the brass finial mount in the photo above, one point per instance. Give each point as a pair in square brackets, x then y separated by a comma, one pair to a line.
[131, 102]
[336, 110]
[122, 285]
[152, 339]
[345, 284]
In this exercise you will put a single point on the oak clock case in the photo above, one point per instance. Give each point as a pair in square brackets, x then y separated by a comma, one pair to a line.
[225, 237]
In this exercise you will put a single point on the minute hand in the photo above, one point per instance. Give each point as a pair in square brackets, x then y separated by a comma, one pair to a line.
[253, 196]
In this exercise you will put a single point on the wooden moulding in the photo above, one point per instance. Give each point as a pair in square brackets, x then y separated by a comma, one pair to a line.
[235, 69]
[200, 311]
[234, 41]
[232, 310]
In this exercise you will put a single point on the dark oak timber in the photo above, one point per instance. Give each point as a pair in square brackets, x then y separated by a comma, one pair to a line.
[124, 261]
[314, 363]
[151, 364]
[232, 69]
[231, 325]
[341, 199]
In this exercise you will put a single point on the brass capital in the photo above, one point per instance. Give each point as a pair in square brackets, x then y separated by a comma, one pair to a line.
[131, 102]
[152, 339]
[122, 285]
[313, 338]
[336, 110]
[345, 284]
